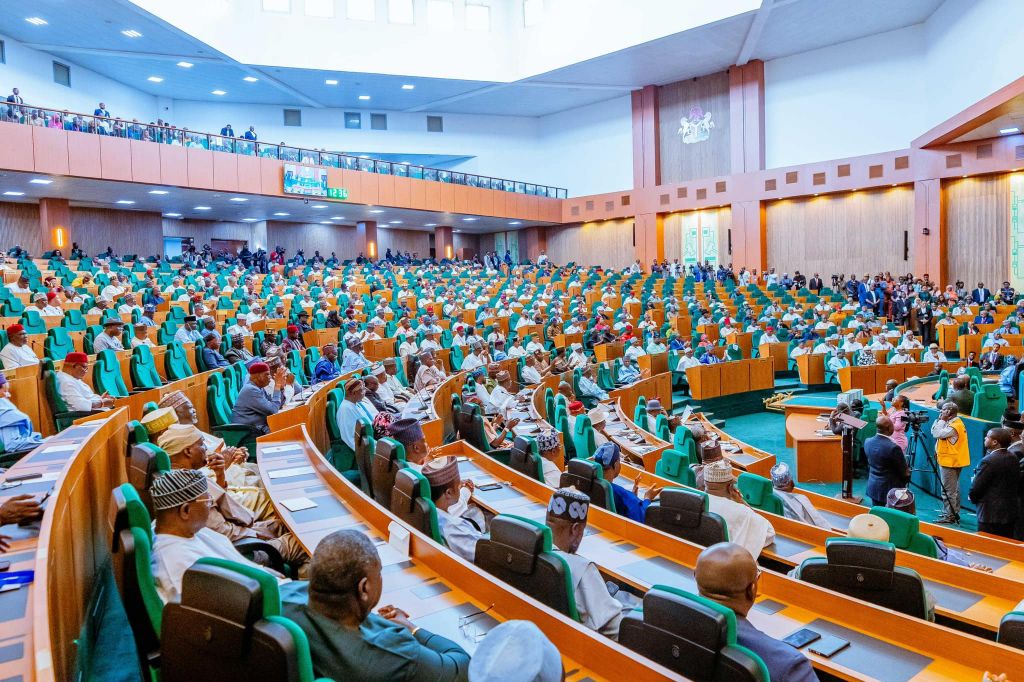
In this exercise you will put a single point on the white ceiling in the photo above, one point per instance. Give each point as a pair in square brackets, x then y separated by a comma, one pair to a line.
[87, 32]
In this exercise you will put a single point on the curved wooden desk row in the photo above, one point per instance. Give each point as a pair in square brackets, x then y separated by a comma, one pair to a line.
[872, 379]
[41, 622]
[885, 645]
[435, 587]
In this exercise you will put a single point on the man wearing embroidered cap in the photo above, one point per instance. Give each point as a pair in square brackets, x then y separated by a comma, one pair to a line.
[181, 505]
[549, 447]
[429, 375]
[459, 532]
[746, 528]
[293, 339]
[516, 651]
[391, 389]
[238, 352]
[795, 505]
[567, 518]
[352, 409]
[577, 359]
[17, 352]
[76, 394]
[627, 503]
[110, 339]
[253, 405]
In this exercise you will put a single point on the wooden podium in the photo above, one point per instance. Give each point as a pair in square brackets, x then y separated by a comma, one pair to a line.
[651, 365]
[604, 352]
[778, 352]
[811, 368]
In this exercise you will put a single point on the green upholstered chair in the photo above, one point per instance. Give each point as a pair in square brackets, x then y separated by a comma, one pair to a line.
[58, 344]
[675, 466]
[106, 375]
[759, 493]
[176, 362]
[905, 532]
[588, 477]
[410, 501]
[142, 369]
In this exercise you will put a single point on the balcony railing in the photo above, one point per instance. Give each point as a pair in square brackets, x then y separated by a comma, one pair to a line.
[183, 137]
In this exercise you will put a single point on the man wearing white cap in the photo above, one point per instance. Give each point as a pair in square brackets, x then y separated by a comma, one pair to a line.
[795, 505]
[577, 359]
[909, 341]
[901, 357]
[933, 354]
[746, 528]
[516, 651]
[460, 532]
[390, 387]
[429, 375]
[548, 446]
[829, 346]
[567, 519]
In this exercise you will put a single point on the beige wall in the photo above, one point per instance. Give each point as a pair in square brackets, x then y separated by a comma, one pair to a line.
[853, 232]
[608, 243]
[413, 241]
[978, 229]
[19, 226]
[312, 236]
[681, 160]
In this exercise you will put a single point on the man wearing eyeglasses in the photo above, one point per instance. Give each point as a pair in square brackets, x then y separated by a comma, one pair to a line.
[727, 574]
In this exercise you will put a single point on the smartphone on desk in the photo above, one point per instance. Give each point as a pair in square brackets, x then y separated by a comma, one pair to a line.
[801, 638]
[828, 646]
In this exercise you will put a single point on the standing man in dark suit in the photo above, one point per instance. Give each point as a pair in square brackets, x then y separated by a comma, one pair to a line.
[887, 467]
[815, 284]
[923, 313]
[981, 294]
[227, 131]
[995, 486]
[250, 134]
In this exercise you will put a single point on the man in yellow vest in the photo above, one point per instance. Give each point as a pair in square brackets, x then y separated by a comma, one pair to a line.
[953, 454]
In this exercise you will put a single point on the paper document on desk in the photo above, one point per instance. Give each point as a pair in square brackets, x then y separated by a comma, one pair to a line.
[298, 504]
[684, 416]
[398, 540]
[289, 473]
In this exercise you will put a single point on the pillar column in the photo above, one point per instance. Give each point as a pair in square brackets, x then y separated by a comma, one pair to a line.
[646, 152]
[535, 239]
[444, 246]
[648, 238]
[927, 250]
[366, 239]
[746, 117]
[749, 236]
[54, 227]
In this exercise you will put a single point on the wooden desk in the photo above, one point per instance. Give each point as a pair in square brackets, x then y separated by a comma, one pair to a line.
[658, 386]
[461, 587]
[730, 378]
[742, 456]
[872, 379]
[651, 365]
[745, 340]
[778, 352]
[811, 368]
[606, 352]
[566, 340]
[639, 556]
[819, 458]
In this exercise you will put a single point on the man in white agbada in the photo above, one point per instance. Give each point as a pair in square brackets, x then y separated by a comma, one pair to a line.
[902, 357]
[473, 359]
[746, 527]
[502, 397]
[795, 505]
[75, 393]
[352, 409]
[598, 609]
[933, 354]
[391, 389]
[17, 352]
[577, 359]
[460, 532]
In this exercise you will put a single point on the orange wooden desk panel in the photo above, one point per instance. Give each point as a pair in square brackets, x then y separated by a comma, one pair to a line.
[811, 368]
[705, 381]
[778, 352]
[650, 365]
[734, 377]
[605, 352]
[818, 458]
[762, 374]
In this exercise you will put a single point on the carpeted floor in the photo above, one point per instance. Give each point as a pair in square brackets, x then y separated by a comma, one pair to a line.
[767, 430]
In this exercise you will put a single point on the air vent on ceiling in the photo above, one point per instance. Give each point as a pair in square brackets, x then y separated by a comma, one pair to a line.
[702, 194]
[624, 200]
[769, 185]
[590, 205]
[818, 179]
[663, 200]
[902, 162]
[719, 187]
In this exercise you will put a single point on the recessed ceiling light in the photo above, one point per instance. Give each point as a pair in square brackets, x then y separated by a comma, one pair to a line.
[430, 225]
[125, 202]
[1009, 131]
[172, 215]
[281, 214]
[218, 92]
[250, 79]
[469, 220]
[40, 181]
[202, 208]
[158, 191]
[250, 220]
[319, 206]
[514, 222]
[14, 194]
[337, 217]
[240, 200]
[36, 21]
[408, 86]
[394, 222]
[326, 222]
[330, 81]
[376, 210]
[131, 33]
[364, 156]
[364, 97]
[186, 65]
[405, 163]
[155, 79]
[455, 230]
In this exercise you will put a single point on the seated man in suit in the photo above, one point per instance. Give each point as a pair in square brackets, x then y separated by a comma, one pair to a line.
[211, 351]
[460, 532]
[347, 641]
[567, 519]
[253, 404]
[727, 574]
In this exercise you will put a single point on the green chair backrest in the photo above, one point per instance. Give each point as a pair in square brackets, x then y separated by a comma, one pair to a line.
[549, 406]
[106, 375]
[33, 321]
[583, 437]
[662, 429]
[176, 362]
[675, 466]
[905, 532]
[58, 344]
[74, 320]
[142, 369]
[759, 493]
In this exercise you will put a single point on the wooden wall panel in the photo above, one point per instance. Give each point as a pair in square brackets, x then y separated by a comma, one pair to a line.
[200, 168]
[417, 193]
[340, 239]
[978, 230]
[249, 174]
[145, 162]
[674, 233]
[464, 240]
[447, 197]
[115, 158]
[51, 150]
[173, 165]
[403, 192]
[608, 243]
[432, 195]
[225, 171]
[271, 177]
[350, 181]
[368, 188]
[83, 154]
[135, 232]
[19, 225]
[386, 190]
[413, 241]
[681, 161]
[857, 232]
[16, 143]
[462, 200]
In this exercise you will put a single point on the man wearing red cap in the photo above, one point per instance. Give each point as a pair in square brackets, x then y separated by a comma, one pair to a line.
[292, 341]
[76, 394]
[53, 307]
[253, 406]
[17, 352]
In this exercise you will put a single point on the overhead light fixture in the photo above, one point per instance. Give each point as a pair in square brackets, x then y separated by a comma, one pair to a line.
[131, 33]
[1009, 131]
[250, 220]
[124, 202]
[218, 92]
[319, 206]
[376, 210]
[455, 230]
[337, 217]
[364, 97]
[331, 81]
[514, 222]
[430, 225]
[172, 215]
[364, 156]
[326, 222]
[160, 192]
[186, 65]
[250, 79]
[36, 21]
[240, 200]
[12, 193]
[405, 163]
[40, 181]
[282, 214]
[469, 220]
[394, 222]
[408, 86]
[155, 79]
[202, 208]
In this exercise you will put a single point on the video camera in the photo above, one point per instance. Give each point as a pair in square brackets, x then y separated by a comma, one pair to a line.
[916, 419]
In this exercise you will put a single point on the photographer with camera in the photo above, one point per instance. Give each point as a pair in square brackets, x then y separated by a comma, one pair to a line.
[887, 466]
[953, 454]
